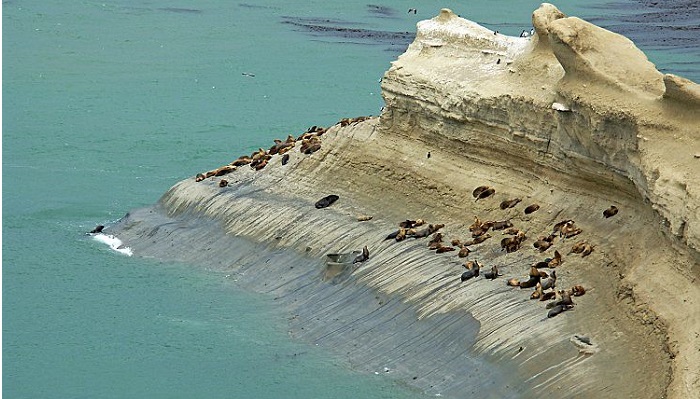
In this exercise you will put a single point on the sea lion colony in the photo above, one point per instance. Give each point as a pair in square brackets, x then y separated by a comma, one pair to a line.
[310, 142]
[544, 284]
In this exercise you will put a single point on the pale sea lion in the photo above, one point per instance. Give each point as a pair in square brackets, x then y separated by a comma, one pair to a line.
[364, 218]
[464, 252]
[578, 290]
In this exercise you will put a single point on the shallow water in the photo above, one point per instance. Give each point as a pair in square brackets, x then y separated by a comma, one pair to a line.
[107, 104]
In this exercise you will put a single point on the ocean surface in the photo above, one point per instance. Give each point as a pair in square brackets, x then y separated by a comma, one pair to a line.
[106, 104]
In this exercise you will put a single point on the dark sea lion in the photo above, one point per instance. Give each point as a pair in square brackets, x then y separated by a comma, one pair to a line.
[409, 224]
[261, 164]
[531, 208]
[394, 234]
[477, 191]
[464, 252]
[313, 147]
[326, 201]
[486, 193]
[542, 264]
[285, 159]
[546, 296]
[610, 212]
[97, 229]
[223, 183]
[472, 270]
[492, 274]
[555, 311]
[471, 264]
[510, 203]
[503, 224]
[363, 256]
[442, 249]
[199, 177]
[469, 274]
[456, 242]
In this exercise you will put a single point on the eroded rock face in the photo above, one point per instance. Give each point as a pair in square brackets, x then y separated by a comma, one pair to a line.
[615, 110]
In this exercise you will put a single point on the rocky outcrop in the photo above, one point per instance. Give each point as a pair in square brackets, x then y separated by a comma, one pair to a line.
[575, 119]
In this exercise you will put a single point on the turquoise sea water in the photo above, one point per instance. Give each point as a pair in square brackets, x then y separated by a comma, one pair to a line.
[106, 104]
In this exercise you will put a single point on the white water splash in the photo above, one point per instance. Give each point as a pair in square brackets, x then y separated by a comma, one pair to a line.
[114, 243]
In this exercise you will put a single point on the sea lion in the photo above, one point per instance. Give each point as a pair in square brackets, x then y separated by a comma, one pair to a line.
[556, 310]
[443, 249]
[546, 296]
[531, 208]
[556, 261]
[534, 272]
[464, 252]
[513, 282]
[363, 256]
[510, 203]
[531, 282]
[412, 223]
[401, 235]
[542, 245]
[97, 229]
[486, 193]
[436, 241]
[587, 250]
[511, 231]
[549, 282]
[326, 201]
[394, 234]
[472, 270]
[557, 227]
[503, 224]
[456, 242]
[364, 218]
[224, 170]
[578, 290]
[492, 274]
[478, 240]
[261, 164]
[578, 247]
[537, 293]
[242, 160]
[199, 177]
[610, 212]
[223, 183]
[477, 191]
[476, 224]
[285, 159]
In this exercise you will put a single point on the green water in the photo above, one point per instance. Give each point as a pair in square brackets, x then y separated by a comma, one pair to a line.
[108, 104]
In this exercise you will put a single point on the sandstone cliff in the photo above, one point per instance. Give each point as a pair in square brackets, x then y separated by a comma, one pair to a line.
[575, 119]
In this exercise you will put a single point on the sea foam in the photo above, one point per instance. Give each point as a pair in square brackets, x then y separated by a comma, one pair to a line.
[114, 243]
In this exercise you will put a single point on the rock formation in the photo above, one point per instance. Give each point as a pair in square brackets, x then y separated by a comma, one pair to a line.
[575, 119]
